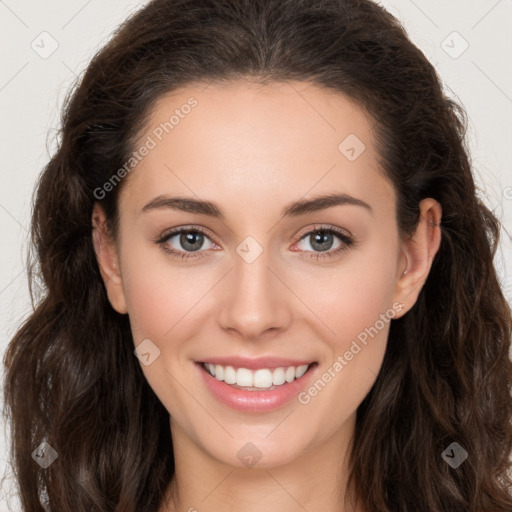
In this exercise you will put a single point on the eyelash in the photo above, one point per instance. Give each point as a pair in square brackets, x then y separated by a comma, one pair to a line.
[347, 242]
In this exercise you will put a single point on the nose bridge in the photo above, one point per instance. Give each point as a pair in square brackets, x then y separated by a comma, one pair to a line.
[254, 299]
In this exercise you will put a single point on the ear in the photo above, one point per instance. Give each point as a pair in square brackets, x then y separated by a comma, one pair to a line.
[108, 260]
[418, 252]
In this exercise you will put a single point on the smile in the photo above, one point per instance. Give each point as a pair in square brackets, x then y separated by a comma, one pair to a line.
[267, 385]
[254, 380]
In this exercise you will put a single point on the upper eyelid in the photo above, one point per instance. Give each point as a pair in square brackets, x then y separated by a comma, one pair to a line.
[320, 227]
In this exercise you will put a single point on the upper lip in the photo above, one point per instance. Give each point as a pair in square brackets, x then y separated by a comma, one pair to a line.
[256, 363]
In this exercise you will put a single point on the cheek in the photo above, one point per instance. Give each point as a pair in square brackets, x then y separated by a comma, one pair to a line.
[161, 300]
[366, 296]
[356, 306]
[352, 296]
[347, 296]
[159, 295]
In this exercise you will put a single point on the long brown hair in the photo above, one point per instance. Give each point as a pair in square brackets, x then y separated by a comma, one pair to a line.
[72, 378]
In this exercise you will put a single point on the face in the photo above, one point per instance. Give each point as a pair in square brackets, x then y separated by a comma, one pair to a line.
[228, 256]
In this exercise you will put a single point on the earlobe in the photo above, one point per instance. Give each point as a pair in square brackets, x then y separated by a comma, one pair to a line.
[418, 253]
[108, 260]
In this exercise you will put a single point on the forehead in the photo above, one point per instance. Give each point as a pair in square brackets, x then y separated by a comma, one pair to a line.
[256, 145]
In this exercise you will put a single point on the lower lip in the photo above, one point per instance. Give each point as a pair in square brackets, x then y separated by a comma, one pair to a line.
[255, 401]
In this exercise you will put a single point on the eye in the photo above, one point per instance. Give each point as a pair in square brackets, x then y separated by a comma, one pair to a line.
[187, 239]
[322, 239]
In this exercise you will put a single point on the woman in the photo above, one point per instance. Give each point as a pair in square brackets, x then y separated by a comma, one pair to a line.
[270, 282]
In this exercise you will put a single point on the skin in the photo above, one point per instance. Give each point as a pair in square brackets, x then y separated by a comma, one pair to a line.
[252, 150]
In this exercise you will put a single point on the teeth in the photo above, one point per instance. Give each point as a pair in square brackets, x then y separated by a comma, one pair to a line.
[263, 378]
[229, 375]
[219, 372]
[300, 371]
[243, 377]
[278, 376]
[289, 375]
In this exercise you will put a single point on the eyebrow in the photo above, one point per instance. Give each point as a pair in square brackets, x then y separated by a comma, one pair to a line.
[293, 209]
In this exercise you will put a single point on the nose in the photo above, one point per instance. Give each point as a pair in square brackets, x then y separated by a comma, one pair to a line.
[255, 301]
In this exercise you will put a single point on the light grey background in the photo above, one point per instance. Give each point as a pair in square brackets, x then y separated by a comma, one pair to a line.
[33, 84]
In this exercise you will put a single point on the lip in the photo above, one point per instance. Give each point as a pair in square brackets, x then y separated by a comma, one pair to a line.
[255, 363]
[255, 401]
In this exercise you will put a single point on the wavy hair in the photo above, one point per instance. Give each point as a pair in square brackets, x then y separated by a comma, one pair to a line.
[71, 376]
